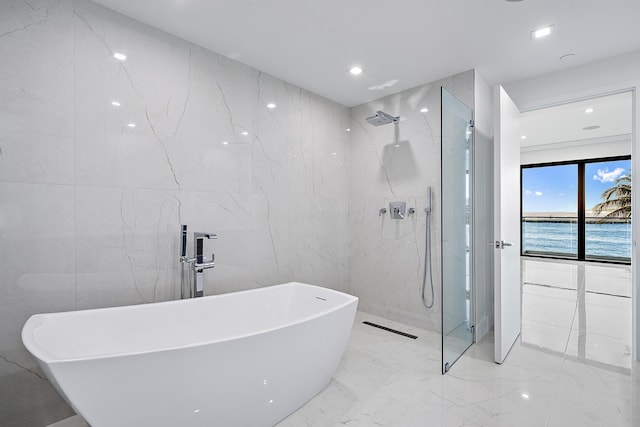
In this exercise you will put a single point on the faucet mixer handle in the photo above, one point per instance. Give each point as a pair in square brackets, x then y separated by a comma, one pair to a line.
[183, 243]
[200, 235]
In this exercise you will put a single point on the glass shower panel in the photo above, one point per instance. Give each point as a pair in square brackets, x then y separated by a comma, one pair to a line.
[457, 307]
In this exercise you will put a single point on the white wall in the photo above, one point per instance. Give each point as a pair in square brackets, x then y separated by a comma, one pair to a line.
[598, 78]
[575, 150]
[90, 209]
[387, 255]
[608, 76]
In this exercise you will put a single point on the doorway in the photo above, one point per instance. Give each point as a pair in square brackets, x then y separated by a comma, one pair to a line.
[576, 229]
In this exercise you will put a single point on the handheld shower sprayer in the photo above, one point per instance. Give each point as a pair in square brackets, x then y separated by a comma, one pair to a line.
[427, 252]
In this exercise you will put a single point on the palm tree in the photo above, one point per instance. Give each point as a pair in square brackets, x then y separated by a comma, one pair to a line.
[617, 200]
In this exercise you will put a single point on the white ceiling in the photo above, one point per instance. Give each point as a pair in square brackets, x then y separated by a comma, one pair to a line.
[613, 114]
[410, 42]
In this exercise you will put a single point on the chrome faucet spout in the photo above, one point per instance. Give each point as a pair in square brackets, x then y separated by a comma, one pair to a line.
[198, 263]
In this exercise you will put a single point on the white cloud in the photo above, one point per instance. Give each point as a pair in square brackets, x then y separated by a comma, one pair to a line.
[606, 176]
[528, 192]
[538, 193]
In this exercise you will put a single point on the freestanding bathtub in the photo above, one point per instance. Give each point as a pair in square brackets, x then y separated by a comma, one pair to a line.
[243, 359]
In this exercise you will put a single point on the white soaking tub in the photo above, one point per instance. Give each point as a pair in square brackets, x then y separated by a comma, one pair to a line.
[242, 359]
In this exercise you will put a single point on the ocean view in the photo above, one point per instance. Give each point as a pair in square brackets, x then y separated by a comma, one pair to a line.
[610, 240]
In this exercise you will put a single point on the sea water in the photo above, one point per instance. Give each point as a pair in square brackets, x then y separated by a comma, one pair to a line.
[608, 240]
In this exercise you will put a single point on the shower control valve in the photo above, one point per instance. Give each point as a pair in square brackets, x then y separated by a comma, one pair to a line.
[397, 210]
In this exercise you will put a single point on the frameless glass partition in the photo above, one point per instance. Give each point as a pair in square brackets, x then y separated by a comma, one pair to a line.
[457, 307]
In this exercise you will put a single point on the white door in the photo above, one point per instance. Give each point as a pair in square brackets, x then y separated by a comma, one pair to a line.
[506, 244]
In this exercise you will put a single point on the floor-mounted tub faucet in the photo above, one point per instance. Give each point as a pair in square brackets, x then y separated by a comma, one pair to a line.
[197, 264]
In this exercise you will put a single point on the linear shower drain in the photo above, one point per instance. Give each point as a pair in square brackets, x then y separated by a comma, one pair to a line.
[404, 334]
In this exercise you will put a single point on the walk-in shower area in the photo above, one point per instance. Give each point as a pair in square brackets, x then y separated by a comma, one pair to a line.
[411, 210]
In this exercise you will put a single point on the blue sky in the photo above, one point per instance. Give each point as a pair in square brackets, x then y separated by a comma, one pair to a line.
[554, 188]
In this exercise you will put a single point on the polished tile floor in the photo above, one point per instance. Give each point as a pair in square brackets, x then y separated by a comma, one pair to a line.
[386, 379]
[390, 380]
[581, 310]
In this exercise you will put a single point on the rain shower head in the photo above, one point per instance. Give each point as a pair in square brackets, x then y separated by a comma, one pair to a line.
[382, 118]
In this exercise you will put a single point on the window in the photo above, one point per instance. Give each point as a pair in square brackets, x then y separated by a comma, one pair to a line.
[608, 236]
[578, 210]
[550, 210]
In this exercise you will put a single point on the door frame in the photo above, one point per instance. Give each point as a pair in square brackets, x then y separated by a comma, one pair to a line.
[595, 92]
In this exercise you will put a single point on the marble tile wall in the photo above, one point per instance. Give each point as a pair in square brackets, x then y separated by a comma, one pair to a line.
[387, 255]
[90, 208]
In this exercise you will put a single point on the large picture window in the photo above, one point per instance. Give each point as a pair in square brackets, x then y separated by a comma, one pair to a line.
[578, 210]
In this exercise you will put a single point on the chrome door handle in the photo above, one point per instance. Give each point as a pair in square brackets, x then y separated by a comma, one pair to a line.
[501, 244]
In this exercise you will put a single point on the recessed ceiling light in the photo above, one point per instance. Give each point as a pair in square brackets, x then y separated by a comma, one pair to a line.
[225, 143]
[131, 125]
[355, 70]
[424, 110]
[334, 154]
[523, 137]
[245, 133]
[589, 110]
[594, 127]
[271, 105]
[542, 32]
[115, 103]
[525, 395]
[120, 56]
[348, 129]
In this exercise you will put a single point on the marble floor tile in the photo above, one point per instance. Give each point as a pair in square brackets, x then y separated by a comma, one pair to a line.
[545, 336]
[559, 305]
[578, 319]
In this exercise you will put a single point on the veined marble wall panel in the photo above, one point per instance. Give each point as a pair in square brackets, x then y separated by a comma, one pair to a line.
[388, 164]
[37, 254]
[124, 241]
[37, 260]
[90, 208]
[184, 101]
[36, 142]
